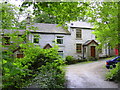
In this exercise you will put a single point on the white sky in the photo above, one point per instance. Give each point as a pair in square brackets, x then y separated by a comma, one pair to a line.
[14, 2]
[18, 3]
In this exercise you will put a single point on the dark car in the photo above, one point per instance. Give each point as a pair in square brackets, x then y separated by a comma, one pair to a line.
[112, 63]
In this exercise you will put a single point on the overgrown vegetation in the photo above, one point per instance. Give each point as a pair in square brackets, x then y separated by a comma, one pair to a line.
[46, 62]
[72, 60]
[114, 74]
[50, 76]
[92, 59]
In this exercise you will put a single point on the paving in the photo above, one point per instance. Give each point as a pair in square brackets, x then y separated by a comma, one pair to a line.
[89, 75]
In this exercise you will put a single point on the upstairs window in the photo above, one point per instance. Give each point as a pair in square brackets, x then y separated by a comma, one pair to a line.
[78, 48]
[36, 39]
[6, 40]
[59, 39]
[78, 33]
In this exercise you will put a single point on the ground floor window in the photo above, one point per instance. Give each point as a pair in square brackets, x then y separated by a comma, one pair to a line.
[6, 40]
[36, 39]
[78, 48]
[61, 53]
[20, 55]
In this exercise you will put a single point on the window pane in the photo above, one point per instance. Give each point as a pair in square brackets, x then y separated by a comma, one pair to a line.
[78, 48]
[59, 41]
[78, 33]
[36, 40]
[60, 53]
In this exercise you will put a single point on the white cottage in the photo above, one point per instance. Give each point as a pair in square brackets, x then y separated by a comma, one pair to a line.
[78, 41]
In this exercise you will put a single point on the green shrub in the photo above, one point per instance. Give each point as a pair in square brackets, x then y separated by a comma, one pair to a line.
[114, 74]
[17, 72]
[69, 60]
[51, 76]
[91, 58]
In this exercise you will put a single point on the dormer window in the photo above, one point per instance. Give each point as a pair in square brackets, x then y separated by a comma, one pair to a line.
[36, 39]
[78, 33]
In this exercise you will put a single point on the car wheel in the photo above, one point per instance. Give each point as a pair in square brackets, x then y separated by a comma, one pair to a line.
[108, 67]
[114, 66]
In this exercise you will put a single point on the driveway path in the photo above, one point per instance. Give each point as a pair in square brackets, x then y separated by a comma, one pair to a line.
[90, 75]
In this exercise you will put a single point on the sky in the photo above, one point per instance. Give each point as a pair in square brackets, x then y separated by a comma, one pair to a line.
[18, 3]
[15, 2]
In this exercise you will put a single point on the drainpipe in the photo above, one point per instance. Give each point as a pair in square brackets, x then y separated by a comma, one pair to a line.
[106, 52]
[109, 50]
[83, 51]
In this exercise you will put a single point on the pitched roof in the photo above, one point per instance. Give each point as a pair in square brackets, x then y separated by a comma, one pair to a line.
[17, 31]
[49, 28]
[89, 42]
[47, 46]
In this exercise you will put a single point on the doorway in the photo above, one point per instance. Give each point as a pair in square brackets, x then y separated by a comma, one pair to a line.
[93, 51]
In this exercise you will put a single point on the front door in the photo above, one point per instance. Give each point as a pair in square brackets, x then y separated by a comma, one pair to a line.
[93, 51]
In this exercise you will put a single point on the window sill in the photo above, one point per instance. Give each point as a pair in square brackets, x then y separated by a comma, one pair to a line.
[61, 45]
[78, 53]
[78, 38]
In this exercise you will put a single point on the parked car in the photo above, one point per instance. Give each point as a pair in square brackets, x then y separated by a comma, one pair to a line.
[112, 63]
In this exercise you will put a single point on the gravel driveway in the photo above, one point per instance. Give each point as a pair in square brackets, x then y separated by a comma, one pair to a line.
[90, 75]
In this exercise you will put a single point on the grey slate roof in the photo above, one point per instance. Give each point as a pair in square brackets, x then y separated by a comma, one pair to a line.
[49, 28]
[7, 31]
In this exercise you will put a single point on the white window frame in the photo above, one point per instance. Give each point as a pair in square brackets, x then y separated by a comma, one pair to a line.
[60, 38]
[61, 53]
[78, 30]
[36, 38]
[78, 48]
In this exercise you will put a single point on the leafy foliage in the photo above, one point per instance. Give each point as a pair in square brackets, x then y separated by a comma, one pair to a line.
[59, 11]
[71, 60]
[16, 71]
[114, 74]
[45, 18]
[8, 15]
[103, 15]
[50, 76]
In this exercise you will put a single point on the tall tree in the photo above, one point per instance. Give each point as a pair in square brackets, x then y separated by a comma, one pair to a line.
[104, 16]
[61, 11]
[9, 12]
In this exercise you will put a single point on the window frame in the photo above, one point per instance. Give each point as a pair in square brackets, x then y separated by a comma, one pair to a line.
[78, 33]
[60, 38]
[61, 53]
[79, 49]
[36, 36]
